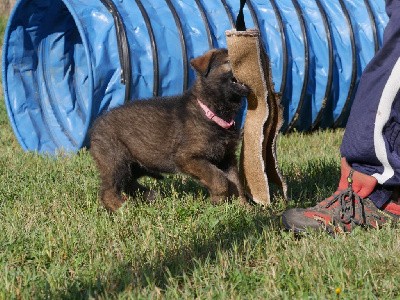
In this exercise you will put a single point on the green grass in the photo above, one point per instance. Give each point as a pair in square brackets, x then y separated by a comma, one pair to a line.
[3, 23]
[57, 242]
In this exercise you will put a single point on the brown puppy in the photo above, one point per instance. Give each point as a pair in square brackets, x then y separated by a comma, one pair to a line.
[174, 134]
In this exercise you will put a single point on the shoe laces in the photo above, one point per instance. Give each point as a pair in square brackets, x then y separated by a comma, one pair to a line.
[351, 204]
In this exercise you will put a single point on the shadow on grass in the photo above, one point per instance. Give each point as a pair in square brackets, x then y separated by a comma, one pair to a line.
[227, 234]
[306, 184]
[177, 261]
[312, 182]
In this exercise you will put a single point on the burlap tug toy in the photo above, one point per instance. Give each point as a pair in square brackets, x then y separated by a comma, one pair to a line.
[258, 161]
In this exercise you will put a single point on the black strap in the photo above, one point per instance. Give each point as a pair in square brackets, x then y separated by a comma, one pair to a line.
[123, 48]
[240, 24]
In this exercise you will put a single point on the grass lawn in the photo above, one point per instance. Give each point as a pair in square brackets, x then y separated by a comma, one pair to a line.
[57, 242]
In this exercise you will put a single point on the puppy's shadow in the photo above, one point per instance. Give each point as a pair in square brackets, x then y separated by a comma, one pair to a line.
[226, 234]
[176, 262]
[306, 185]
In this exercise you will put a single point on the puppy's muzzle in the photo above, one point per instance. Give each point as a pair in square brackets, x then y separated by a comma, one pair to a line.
[240, 88]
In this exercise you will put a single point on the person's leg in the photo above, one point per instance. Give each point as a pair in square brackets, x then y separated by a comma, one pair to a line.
[371, 143]
[370, 166]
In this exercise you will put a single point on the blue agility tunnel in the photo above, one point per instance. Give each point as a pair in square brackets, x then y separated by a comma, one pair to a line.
[66, 61]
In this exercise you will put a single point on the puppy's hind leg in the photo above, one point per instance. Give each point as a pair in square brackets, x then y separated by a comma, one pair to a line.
[112, 159]
[111, 199]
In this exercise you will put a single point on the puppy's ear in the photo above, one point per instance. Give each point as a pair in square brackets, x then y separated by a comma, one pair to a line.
[202, 64]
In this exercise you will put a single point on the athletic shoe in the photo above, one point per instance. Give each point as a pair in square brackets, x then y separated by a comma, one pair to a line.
[343, 211]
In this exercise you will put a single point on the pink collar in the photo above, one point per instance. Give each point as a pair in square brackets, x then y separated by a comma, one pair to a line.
[212, 116]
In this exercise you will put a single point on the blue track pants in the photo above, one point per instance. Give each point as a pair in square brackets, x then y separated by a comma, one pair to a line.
[371, 143]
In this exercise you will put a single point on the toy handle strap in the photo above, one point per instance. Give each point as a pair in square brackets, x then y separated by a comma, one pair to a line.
[240, 24]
